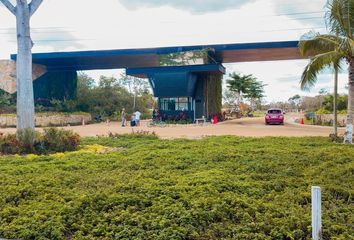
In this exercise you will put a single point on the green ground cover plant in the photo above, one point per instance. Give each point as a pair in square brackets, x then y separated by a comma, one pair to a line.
[141, 187]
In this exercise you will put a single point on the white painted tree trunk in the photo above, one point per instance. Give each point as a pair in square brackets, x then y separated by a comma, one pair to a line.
[25, 98]
[348, 136]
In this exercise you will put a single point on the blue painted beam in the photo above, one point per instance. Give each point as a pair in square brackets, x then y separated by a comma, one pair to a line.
[148, 57]
[146, 72]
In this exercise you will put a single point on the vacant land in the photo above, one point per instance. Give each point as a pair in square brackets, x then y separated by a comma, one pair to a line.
[141, 187]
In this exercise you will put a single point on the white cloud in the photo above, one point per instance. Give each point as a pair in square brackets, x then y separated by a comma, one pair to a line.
[194, 6]
[283, 77]
[108, 24]
[310, 12]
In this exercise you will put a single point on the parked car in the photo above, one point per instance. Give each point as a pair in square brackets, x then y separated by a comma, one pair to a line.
[274, 115]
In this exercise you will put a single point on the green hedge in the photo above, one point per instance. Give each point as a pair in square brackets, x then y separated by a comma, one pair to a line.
[140, 187]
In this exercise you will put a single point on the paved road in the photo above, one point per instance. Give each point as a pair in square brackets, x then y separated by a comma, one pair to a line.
[250, 127]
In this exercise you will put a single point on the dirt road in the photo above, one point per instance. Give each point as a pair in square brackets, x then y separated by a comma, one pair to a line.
[249, 127]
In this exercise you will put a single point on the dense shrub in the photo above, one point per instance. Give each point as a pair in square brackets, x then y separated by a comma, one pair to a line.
[50, 141]
[106, 98]
[148, 188]
[323, 111]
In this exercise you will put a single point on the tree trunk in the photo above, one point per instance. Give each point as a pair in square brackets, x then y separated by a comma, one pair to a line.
[238, 101]
[348, 137]
[335, 100]
[25, 99]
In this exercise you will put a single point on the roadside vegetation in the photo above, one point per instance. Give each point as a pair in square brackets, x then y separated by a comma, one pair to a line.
[141, 187]
[106, 98]
[51, 140]
[318, 110]
[242, 87]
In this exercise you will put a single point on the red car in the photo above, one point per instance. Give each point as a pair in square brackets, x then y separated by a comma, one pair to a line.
[274, 115]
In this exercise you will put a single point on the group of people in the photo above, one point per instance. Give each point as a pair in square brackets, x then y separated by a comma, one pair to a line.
[134, 119]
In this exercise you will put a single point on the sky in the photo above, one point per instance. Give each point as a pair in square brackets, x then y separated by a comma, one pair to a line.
[67, 25]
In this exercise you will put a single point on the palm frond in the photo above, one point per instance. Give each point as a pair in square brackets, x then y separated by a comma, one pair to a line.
[346, 46]
[340, 17]
[316, 65]
[314, 43]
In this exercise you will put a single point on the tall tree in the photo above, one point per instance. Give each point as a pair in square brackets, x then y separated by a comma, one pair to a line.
[25, 100]
[295, 101]
[254, 92]
[239, 84]
[228, 98]
[328, 50]
[136, 86]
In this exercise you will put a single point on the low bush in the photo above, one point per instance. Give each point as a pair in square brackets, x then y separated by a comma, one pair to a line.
[135, 134]
[141, 187]
[323, 111]
[52, 140]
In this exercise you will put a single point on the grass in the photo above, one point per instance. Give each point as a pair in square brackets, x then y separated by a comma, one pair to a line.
[141, 187]
[258, 113]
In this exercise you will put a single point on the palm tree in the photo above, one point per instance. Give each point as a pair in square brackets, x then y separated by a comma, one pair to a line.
[239, 84]
[329, 50]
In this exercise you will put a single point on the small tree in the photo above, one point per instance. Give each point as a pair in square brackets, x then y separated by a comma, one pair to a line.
[25, 100]
[254, 92]
[239, 84]
[245, 86]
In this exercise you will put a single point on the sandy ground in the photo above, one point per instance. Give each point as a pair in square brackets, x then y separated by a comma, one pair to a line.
[249, 127]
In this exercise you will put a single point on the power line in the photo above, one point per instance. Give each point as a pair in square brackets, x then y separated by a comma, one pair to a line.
[92, 39]
[279, 15]
[62, 40]
[292, 14]
[36, 33]
[53, 30]
[270, 30]
[306, 18]
[291, 29]
[300, 13]
[13, 28]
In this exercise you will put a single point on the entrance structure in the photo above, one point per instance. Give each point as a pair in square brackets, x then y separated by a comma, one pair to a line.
[186, 80]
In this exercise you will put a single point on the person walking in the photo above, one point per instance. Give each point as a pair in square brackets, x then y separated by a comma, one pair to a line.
[123, 116]
[133, 120]
[154, 115]
[137, 118]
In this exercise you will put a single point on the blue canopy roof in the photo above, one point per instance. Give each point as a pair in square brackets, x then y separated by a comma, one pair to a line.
[148, 57]
[175, 81]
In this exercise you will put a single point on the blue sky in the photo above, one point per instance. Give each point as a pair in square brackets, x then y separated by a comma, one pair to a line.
[115, 24]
